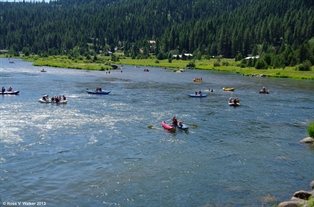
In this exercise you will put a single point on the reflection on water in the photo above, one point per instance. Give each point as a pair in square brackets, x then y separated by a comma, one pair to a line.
[98, 150]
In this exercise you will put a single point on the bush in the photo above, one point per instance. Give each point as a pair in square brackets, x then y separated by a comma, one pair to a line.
[310, 129]
[190, 65]
[261, 64]
[305, 66]
[225, 63]
[216, 64]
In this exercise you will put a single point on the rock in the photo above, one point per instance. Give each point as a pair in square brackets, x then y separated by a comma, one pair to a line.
[294, 203]
[304, 195]
[312, 185]
[307, 140]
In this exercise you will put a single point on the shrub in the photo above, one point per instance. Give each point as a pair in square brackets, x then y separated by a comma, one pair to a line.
[261, 64]
[225, 63]
[305, 66]
[310, 129]
[190, 65]
[216, 64]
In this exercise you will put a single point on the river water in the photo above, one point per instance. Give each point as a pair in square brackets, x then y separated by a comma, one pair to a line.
[98, 150]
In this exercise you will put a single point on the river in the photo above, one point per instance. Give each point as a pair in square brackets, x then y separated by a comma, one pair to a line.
[98, 150]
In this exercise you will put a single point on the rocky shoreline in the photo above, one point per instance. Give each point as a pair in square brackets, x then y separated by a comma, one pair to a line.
[299, 198]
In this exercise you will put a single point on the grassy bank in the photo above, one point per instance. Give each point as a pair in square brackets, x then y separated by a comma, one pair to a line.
[65, 62]
[226, 65]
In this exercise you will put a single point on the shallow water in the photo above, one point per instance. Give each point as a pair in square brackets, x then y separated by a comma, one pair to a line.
[99, 151]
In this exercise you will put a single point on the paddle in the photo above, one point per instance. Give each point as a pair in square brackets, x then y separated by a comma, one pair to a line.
[194, 125]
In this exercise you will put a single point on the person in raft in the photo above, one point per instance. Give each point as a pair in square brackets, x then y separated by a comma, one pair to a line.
[174, 121]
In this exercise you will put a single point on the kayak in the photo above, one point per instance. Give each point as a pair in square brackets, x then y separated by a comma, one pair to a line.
[10, 92]
[98, 92]
[52, 102]
[183, 127]
[198, 95]
[228, 89]
[167, 126]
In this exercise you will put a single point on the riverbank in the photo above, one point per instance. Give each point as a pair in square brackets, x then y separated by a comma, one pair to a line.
[225, 65]
[301, 198]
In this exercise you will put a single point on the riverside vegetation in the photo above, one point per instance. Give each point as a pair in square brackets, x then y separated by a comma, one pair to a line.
[310, 129]
[100, 62]
[280, 34]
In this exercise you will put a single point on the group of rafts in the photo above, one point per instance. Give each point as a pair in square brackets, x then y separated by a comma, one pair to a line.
[231, 102]
[62, 99]
[44, 99]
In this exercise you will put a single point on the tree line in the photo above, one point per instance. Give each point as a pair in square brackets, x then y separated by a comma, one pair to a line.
[280, 31]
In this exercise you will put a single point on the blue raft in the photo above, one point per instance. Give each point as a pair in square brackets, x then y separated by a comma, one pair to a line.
[198, 95]
[98, 92]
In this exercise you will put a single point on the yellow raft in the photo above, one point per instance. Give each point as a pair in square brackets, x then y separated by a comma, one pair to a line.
[228, 89]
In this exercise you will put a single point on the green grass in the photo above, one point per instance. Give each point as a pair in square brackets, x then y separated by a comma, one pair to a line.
[65, 62]
[287, 72]
[225, 65]
[310, 129]
[311, 202]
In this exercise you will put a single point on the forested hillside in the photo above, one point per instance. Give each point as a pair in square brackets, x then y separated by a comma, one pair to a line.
[203, 27]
